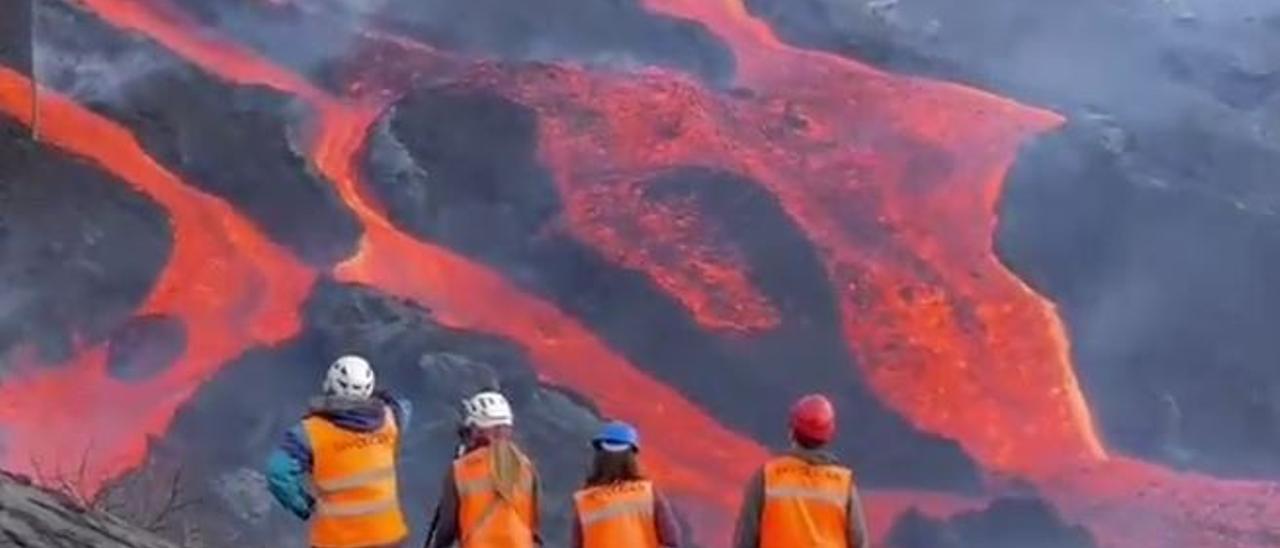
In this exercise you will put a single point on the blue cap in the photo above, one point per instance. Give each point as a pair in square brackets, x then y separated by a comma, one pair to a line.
[617, 437]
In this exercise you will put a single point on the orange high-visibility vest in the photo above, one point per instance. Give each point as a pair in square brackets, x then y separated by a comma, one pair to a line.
[805, 505]
[617, 516]
[485, 520]
[354, 476]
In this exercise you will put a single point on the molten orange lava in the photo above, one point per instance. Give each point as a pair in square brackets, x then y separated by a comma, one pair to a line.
[230, 286]
[684, 253]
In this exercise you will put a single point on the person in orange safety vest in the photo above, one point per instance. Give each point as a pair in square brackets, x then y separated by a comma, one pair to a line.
[490, 494]
[618, 507]
[804, 498]
[337, 468]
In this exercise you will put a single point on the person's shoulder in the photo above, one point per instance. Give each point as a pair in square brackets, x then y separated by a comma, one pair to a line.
[299, 429]
[389, 399]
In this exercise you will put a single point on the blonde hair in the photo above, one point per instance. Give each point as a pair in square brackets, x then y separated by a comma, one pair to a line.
[506, 466]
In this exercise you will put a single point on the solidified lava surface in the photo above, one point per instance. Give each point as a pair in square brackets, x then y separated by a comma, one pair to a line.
[66, 278]
[1006, 523]
[1175, 339]
[890, 184]
[15, 37]
[316, 38]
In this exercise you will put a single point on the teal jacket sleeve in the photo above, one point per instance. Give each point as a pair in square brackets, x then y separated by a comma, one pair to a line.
[288, 467]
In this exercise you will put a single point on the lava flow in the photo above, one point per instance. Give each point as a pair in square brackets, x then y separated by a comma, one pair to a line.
[902, 218]
[230, 287]
[465, 295]
[469, 296]
[893, 179]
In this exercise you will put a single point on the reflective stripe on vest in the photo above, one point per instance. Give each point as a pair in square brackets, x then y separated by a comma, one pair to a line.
[354, 478]
[805, 504]
[486, 484]
[617, 515]
[806, 493]
[484, 518]
[359, 479]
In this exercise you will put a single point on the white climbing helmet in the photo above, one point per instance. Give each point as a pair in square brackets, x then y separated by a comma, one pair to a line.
[350, 376]
[487, 410]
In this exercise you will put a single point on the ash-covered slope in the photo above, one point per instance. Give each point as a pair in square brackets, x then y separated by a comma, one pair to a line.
[33, 517]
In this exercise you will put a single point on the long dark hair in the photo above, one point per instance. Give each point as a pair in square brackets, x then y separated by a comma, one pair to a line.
[609, 468]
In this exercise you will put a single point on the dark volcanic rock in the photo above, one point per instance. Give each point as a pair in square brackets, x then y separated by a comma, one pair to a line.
[15, 36]
[37, 518]
[145, 346]
[1112, 55]
[222, 437]
[236, 142]
[618, 33]
[1006, 523]
[316, 37]
[459, 166]
[78, 249]
[1170, 298]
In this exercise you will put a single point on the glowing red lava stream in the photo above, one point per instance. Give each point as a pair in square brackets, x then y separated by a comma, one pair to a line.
[230, 286]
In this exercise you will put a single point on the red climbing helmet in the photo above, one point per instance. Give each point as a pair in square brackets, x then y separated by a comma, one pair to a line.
[813, 420]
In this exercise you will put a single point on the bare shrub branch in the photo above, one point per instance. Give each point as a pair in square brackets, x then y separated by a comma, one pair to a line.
[152, 500]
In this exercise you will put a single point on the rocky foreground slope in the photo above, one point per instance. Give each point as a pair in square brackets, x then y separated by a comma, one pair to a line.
[34, 517]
